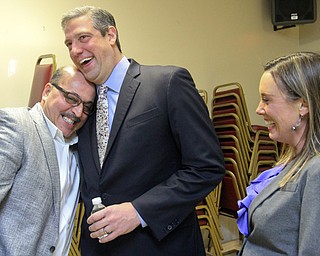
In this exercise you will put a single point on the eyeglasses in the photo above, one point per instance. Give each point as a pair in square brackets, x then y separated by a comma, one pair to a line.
[73, 99]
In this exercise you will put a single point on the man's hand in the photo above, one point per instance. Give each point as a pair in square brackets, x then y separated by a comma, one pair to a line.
[113, 221]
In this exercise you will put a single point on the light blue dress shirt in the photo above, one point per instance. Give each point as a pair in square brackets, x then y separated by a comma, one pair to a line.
[114, 83]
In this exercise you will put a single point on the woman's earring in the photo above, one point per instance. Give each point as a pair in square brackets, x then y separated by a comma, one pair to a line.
[294, 128]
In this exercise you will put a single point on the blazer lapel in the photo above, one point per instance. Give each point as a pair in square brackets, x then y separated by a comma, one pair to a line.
[127, 92]
[91, 122]
[50, 153]
[266, 193]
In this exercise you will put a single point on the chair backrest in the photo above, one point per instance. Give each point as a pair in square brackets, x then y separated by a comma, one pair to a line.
[45, 66]
[204, 94]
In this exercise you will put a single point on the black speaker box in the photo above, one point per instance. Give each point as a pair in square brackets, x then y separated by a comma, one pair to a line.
[293, 12]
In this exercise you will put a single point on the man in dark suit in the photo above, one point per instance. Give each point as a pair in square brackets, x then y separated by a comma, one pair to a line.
[162, 153]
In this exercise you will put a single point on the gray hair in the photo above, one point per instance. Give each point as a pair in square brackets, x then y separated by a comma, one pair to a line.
[63, 72]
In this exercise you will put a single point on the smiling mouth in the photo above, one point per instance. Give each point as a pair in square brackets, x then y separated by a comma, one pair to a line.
[269, 124]
[68, 120]
[85, 61]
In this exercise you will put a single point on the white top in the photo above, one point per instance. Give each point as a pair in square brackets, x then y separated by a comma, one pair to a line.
[69, 185]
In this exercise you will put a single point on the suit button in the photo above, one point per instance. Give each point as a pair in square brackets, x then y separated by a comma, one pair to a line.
[52, 249]
[169, 227]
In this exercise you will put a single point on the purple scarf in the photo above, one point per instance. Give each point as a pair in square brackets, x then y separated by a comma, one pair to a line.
[255, 187]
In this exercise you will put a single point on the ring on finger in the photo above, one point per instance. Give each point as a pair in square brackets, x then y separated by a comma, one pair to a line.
[105, 233]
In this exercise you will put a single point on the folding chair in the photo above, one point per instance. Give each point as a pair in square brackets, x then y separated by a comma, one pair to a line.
[45, 66]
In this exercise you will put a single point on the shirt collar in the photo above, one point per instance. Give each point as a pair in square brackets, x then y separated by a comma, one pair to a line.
[57, 134]
[116, 78]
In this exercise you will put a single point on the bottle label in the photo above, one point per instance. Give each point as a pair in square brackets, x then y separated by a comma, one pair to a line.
[97, 208]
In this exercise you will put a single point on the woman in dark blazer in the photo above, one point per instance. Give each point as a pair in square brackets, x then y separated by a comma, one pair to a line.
[280, 214]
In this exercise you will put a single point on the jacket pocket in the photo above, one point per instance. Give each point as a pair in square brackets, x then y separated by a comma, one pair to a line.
[290, 187]
[146, 116]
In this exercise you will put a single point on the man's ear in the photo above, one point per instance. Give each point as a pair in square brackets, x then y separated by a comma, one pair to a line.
[47, 89]
[112, 35]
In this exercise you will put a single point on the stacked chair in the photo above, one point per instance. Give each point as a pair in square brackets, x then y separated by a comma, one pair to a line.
[204, 95]
[264, 155]
[208, 212]
[247, 148]
[208, 217]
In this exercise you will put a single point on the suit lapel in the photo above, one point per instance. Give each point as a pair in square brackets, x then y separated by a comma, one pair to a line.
[264, 194]
[267, 192]
[50, 153]
[127, 92]
[93, 140]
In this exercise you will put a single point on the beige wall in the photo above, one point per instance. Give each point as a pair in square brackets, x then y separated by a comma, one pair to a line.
[219, 41]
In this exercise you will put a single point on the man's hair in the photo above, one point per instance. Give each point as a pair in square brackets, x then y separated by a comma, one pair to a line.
[101, 19]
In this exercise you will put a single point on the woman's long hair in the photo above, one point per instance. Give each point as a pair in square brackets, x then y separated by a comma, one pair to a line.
[298, 76]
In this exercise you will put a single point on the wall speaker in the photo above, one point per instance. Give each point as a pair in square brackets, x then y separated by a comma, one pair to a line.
[293, 12]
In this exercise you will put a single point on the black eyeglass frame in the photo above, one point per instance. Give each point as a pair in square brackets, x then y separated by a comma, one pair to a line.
[88, 106]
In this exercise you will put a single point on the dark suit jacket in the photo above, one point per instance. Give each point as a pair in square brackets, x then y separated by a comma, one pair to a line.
[163, 156]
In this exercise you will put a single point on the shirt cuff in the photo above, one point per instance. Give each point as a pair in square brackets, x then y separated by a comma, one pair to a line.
[142, 222]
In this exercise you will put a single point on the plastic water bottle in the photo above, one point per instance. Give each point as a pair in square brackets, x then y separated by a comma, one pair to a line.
[97, 205]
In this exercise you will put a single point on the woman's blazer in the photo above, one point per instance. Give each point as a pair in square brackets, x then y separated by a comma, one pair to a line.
[284, 221]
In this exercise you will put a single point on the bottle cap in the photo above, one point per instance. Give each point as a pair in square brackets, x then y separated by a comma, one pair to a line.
[96, 200]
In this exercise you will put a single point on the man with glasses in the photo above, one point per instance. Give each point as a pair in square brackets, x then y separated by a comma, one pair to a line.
[39, 171]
